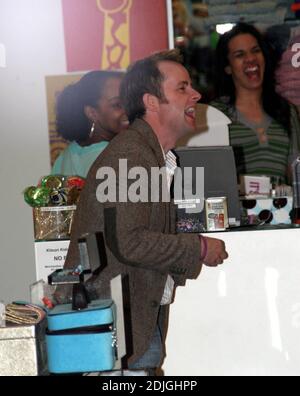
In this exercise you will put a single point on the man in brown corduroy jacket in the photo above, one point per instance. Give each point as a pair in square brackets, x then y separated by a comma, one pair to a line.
[140, 238]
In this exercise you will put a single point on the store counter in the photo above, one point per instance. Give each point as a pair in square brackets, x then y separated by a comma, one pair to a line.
[242, 318]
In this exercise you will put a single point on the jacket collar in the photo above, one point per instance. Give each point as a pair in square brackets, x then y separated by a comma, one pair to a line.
[147, 133]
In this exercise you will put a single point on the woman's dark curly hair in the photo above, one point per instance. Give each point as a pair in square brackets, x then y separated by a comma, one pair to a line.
[274, 105]
[71, 121]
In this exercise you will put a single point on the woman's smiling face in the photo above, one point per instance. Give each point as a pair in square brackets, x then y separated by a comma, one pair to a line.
[246, 62]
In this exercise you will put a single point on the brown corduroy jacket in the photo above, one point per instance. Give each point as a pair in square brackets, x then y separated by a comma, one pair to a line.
[140, 238]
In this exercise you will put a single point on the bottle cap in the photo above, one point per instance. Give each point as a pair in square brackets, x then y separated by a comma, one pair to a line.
[75, 181]
[59, 197]
[52, 182]
[40, 197]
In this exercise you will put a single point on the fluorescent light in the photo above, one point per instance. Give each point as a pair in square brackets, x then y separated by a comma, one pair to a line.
[224, 27]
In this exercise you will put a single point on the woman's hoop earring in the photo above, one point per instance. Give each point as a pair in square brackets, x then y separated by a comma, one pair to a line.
[91, 134]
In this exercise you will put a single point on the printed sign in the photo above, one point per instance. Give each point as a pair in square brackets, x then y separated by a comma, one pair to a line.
[49, 257]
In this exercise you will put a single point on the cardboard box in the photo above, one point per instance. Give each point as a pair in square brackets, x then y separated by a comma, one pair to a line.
[23, 350]
[255, 185]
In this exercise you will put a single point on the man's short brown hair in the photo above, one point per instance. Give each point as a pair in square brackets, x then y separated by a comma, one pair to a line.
[144, 77]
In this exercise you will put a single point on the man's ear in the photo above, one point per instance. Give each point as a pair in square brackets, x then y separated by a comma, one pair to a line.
[228, 70]
[151, 102]
[91, 113]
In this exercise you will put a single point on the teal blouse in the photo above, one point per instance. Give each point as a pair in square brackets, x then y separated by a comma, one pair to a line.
[76, 160]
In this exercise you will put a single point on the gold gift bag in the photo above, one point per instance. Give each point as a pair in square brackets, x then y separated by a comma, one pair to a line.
[52, 223]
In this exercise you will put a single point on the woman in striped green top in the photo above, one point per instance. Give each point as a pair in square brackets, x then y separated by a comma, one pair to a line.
[265, 129]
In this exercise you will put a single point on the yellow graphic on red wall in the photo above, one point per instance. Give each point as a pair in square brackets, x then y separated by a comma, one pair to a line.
[116, 48]
[111, 34]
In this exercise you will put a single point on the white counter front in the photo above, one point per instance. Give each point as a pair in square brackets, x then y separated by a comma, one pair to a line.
[242, 318]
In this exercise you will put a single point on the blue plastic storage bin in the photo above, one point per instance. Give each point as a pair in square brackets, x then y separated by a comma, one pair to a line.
[81, 341]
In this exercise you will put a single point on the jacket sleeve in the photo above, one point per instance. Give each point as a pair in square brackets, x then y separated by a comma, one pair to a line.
[132, 234]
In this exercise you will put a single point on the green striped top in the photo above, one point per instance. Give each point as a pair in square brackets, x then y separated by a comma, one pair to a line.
[253, 157]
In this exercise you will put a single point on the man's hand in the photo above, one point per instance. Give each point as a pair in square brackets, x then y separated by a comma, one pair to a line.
[216, 252]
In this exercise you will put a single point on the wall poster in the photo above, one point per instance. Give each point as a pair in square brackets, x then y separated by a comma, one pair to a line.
[106, 35]
[110, 34]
